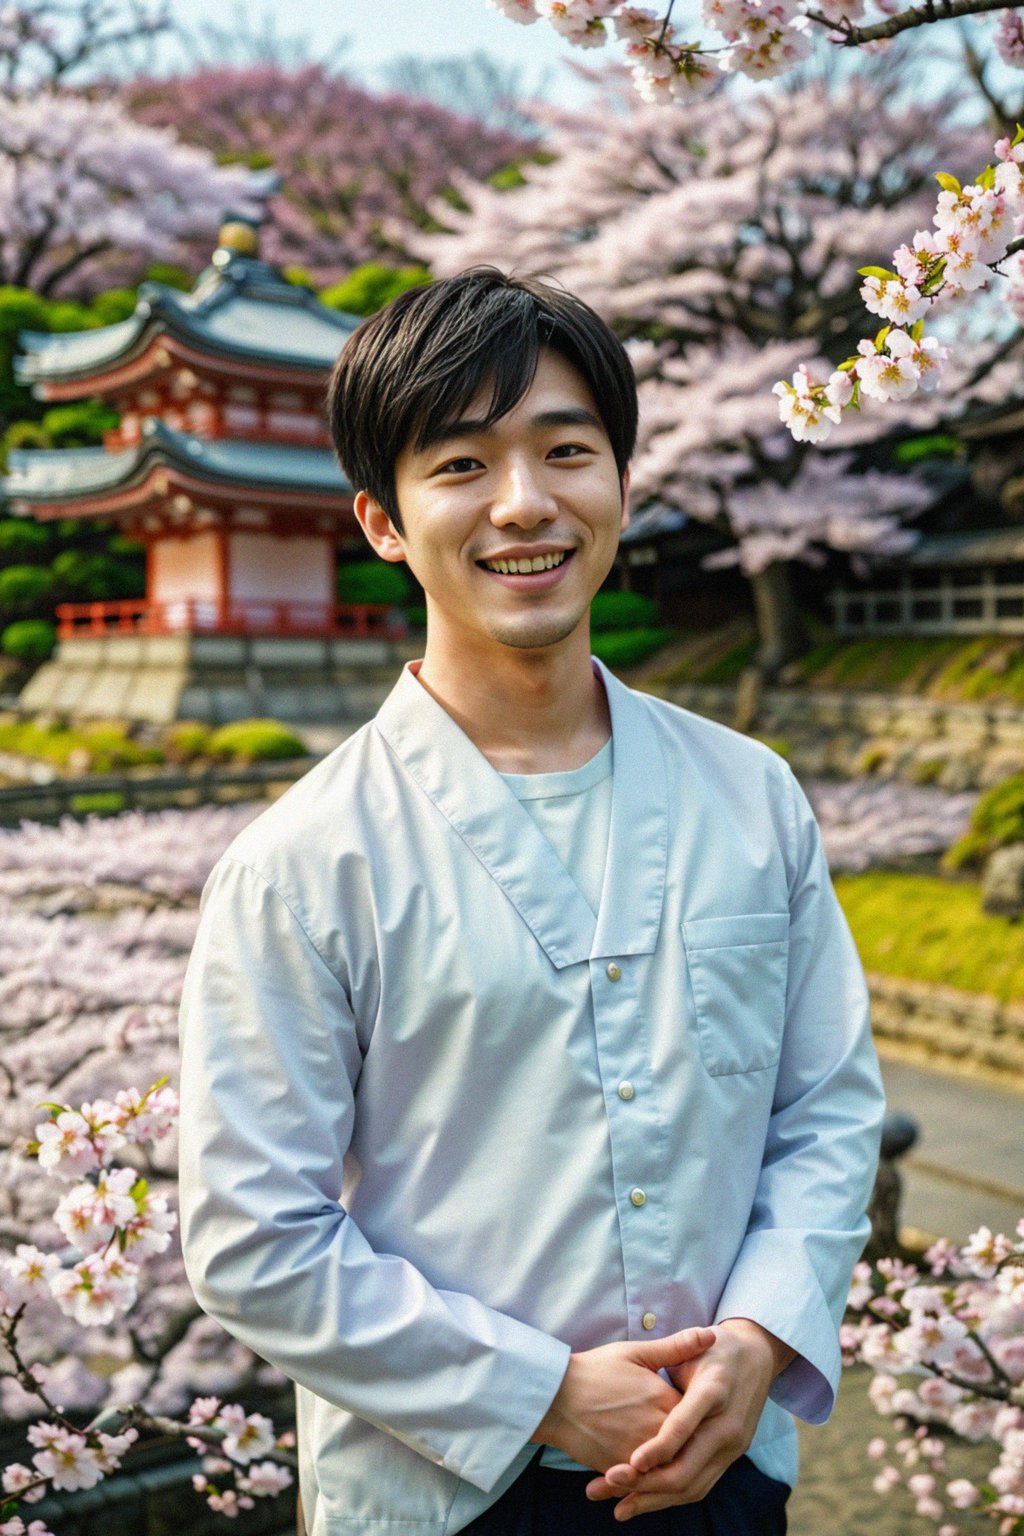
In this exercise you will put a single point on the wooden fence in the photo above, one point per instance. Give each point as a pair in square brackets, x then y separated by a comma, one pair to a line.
[113, 792]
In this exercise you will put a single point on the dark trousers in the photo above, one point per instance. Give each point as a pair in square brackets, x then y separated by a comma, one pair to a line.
[544, 1501]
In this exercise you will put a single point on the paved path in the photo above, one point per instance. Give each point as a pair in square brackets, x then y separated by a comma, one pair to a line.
[967, 1169]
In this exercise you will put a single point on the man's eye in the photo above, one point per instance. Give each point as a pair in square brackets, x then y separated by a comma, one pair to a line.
[459, 466]
[568, 449]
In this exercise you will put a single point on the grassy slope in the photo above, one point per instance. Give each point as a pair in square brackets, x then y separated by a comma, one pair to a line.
[930, 929]
[968, 669]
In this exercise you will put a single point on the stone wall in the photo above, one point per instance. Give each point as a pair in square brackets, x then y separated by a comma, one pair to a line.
[955, 746]
[947, 1028]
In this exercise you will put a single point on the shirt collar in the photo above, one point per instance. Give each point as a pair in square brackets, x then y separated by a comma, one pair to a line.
[483, 811]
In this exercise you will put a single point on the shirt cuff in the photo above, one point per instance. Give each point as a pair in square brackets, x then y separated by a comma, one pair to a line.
[774, 1284]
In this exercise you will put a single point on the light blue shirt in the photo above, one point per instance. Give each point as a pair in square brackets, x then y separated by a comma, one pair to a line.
[442, 1125]
[573, 809]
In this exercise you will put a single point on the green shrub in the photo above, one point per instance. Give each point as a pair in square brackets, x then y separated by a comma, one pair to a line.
[21, 540]
[186, 740]
[627, 647]
[416, 615]
[25, 434]
[246, 741]
[372, 581]
[24, 586]
[114, 305]
[81, 425]
[103, 802]
[29, 639]
[997, 819]
[109, 746]
[372, 285]
[85, 577]
[623, 610]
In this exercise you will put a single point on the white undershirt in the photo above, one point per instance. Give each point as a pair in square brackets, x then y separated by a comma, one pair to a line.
[573, 809]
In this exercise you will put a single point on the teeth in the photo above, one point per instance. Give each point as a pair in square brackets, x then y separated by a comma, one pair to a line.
[526, 567]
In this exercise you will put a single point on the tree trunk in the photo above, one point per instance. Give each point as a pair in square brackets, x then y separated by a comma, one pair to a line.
[779, 625]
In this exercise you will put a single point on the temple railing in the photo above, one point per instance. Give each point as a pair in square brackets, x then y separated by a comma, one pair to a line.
[250, 616]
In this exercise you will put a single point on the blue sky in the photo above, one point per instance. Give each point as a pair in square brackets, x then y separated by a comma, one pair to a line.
[381, 29]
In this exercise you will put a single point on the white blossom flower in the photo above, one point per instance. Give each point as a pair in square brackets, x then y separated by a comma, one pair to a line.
[516, 10]
[89, 1214]
[96, 1289]
[248, 1436]
[264, 1479]
[66, 1458]
[66, 1146]
[27, 1272]
[893, 299]
[891, 374]
[985, 1250]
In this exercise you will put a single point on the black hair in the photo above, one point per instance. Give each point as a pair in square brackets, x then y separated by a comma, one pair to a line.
[415, 366]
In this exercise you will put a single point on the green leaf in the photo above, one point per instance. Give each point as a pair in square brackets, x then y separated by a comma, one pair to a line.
[882, 273]
[917, 330]
[138, 1190]
[851, 362]
[1018, 137]
[880, 338]
[55, 1109]
[987, 180]
[947, 182]
[855, 397]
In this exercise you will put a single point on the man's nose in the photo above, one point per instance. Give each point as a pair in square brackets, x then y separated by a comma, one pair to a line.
[523, 498]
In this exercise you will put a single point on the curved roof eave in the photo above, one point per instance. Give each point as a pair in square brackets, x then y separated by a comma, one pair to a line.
[72, 474]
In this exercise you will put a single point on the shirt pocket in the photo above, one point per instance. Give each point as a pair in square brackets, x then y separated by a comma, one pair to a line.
[737, 968]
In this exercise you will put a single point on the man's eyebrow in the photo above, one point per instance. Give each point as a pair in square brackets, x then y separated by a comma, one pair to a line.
[473, 426]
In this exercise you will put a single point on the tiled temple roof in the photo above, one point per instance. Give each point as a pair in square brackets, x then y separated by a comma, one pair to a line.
[240, 307]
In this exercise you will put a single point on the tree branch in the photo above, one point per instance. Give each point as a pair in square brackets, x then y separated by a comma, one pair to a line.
[846, 35]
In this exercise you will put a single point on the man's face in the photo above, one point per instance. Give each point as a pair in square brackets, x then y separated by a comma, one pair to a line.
[539, 485]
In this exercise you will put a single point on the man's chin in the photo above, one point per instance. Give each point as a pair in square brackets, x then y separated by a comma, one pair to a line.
[537, 635]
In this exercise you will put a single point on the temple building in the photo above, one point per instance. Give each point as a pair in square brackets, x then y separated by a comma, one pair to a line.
[221, 466]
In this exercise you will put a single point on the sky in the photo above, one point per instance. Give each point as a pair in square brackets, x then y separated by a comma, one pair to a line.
[379, 30]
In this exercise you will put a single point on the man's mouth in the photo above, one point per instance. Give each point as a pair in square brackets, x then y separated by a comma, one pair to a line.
[526, 566]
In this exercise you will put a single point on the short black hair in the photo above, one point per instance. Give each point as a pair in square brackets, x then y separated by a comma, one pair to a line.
[415, 366]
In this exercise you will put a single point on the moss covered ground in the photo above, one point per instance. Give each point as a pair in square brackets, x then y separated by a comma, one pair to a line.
[930, 929]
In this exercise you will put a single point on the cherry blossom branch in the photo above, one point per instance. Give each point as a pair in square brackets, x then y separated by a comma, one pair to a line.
[846, 35]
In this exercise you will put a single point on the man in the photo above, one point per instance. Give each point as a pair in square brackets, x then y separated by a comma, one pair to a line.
[524, 1039]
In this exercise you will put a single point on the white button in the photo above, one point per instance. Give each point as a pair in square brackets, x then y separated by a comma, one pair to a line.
[626, 1091]
[613, 971]
[638, 1197]
[649, 1321]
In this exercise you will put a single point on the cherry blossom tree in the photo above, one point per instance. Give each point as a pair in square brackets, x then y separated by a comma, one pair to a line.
[756, 38]
[82, 183]
[357, 170]
[722, 243]
[45, 41]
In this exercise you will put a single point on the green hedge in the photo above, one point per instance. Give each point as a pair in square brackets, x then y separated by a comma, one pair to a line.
[623, 610]
[371, 286]
[246, 741]
[372, 581]
[22, 542]
[628, 647]
[23, 586]
[29, 639]
[997, 819]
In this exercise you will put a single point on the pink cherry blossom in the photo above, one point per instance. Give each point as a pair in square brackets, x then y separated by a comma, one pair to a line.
[1010, 38]
[26, 1274]
[264, 1479]
[66, 1459]
[66, 1146]
[249, 1435]
[96, 1289]
[891, 374]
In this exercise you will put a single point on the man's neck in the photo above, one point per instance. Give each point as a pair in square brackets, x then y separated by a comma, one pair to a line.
[528, 711]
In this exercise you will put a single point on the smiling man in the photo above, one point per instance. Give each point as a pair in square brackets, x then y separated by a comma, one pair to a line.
[529, 1106]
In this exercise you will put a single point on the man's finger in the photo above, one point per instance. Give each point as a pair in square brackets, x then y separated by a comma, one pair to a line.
[677, 1427]
[674, 1349]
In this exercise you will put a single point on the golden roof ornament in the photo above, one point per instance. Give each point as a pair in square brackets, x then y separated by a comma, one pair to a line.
[242, 238]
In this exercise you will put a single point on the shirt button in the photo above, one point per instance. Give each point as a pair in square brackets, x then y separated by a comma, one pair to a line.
[649, 1321]
[638, 1197]
[626, 1091]
[614, 972]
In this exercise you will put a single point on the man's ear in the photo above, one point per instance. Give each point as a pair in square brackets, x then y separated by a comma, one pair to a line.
[624, 522]
[378, 527]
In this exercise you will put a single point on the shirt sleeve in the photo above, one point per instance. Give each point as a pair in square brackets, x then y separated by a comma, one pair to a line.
[808, 1225]
[270, 1059]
